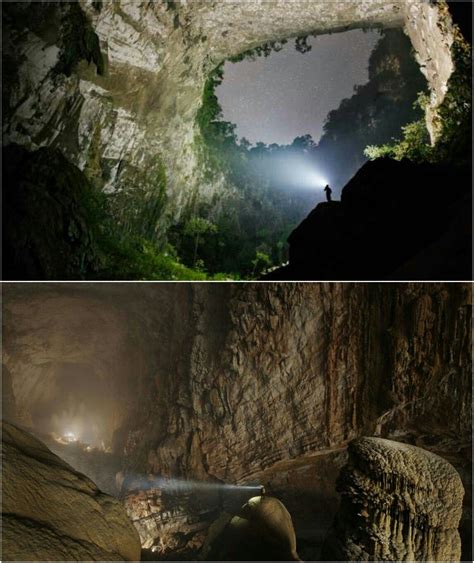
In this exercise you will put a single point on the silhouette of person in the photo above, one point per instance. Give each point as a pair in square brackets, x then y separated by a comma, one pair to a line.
[328, 191]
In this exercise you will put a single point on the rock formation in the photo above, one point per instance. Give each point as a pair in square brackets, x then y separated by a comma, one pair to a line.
[395, 221]
[54, 200]
[52, 512]
[116, 86]
[399, 503]
[261, 531]
[239, 383]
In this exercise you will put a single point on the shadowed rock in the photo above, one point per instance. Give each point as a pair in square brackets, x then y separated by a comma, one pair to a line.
[51, 512]
[399, 502]
[395, 221]
[262, 531]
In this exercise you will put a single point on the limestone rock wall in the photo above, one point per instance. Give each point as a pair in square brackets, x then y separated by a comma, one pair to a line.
[253, 382]
[237, 377]
[50, 512]
[120, 125]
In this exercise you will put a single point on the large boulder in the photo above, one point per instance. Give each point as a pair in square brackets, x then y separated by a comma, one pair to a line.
[262, 531]
[52, 512]
[399, 503]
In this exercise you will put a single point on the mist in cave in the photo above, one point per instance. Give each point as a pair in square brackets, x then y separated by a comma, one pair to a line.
[219, 417]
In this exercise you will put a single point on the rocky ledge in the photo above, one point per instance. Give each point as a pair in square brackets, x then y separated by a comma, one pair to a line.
[395, 221]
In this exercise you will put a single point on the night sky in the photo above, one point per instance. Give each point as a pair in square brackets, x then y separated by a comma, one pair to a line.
[289, 94]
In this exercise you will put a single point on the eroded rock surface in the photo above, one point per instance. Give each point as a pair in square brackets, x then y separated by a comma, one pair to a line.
[239, 383]
[117, 113]
[52, 512]
[399, 503]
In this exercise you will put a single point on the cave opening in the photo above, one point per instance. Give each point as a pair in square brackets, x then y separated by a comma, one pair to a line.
[282, 95]
[283, 120]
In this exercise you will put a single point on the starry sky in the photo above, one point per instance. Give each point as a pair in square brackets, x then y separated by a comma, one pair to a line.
[289, 94]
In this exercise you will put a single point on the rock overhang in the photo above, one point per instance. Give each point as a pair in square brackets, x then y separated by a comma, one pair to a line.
[157, 58]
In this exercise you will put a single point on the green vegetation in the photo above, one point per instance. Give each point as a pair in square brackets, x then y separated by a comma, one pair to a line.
[131, 244]
[246, 234]
[453, 121]
[60, 226]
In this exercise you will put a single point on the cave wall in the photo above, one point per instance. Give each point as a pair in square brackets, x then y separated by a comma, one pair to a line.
[119, 126]
[225, 380]
[253, 382]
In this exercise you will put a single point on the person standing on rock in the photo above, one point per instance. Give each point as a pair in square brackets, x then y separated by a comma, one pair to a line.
[328, 191]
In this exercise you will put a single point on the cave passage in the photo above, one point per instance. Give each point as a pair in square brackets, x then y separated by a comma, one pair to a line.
[204, 393]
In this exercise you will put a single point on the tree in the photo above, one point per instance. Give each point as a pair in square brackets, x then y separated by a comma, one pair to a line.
[196, 228]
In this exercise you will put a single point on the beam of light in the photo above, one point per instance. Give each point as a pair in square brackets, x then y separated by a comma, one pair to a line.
[142, 482]
[294, 171]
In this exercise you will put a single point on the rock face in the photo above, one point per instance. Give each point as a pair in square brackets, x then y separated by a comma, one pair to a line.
[395, 220]
[47, 230]
[238, 383]
[119, 112]
[170, 521]
[399, 503]
[51, 512]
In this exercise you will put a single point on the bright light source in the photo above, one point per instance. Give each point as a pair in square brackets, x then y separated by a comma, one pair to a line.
[295, 171]
[70, 437]
[319, 181]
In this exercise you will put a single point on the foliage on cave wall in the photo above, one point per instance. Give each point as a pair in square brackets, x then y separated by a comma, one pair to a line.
[58, 225]
[453, 120]
[251, 229]
[377, 110]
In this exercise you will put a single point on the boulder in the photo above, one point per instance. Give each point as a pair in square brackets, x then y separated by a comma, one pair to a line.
[399, 503]
[52, 512]
[262, 531]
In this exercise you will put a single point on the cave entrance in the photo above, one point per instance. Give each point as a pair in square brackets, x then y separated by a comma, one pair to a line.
[282, 121]
[308, 108]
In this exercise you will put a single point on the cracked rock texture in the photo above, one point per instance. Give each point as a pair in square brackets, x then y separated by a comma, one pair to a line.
[52, 512]
[236, 383]
[118, 125]
[399, 503]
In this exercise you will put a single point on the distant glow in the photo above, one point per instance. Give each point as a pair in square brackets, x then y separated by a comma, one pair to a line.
[70, 437]
[319, 181]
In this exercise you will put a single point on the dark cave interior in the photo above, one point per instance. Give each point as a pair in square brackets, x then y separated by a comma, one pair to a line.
[182, 400]
[153, 182]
